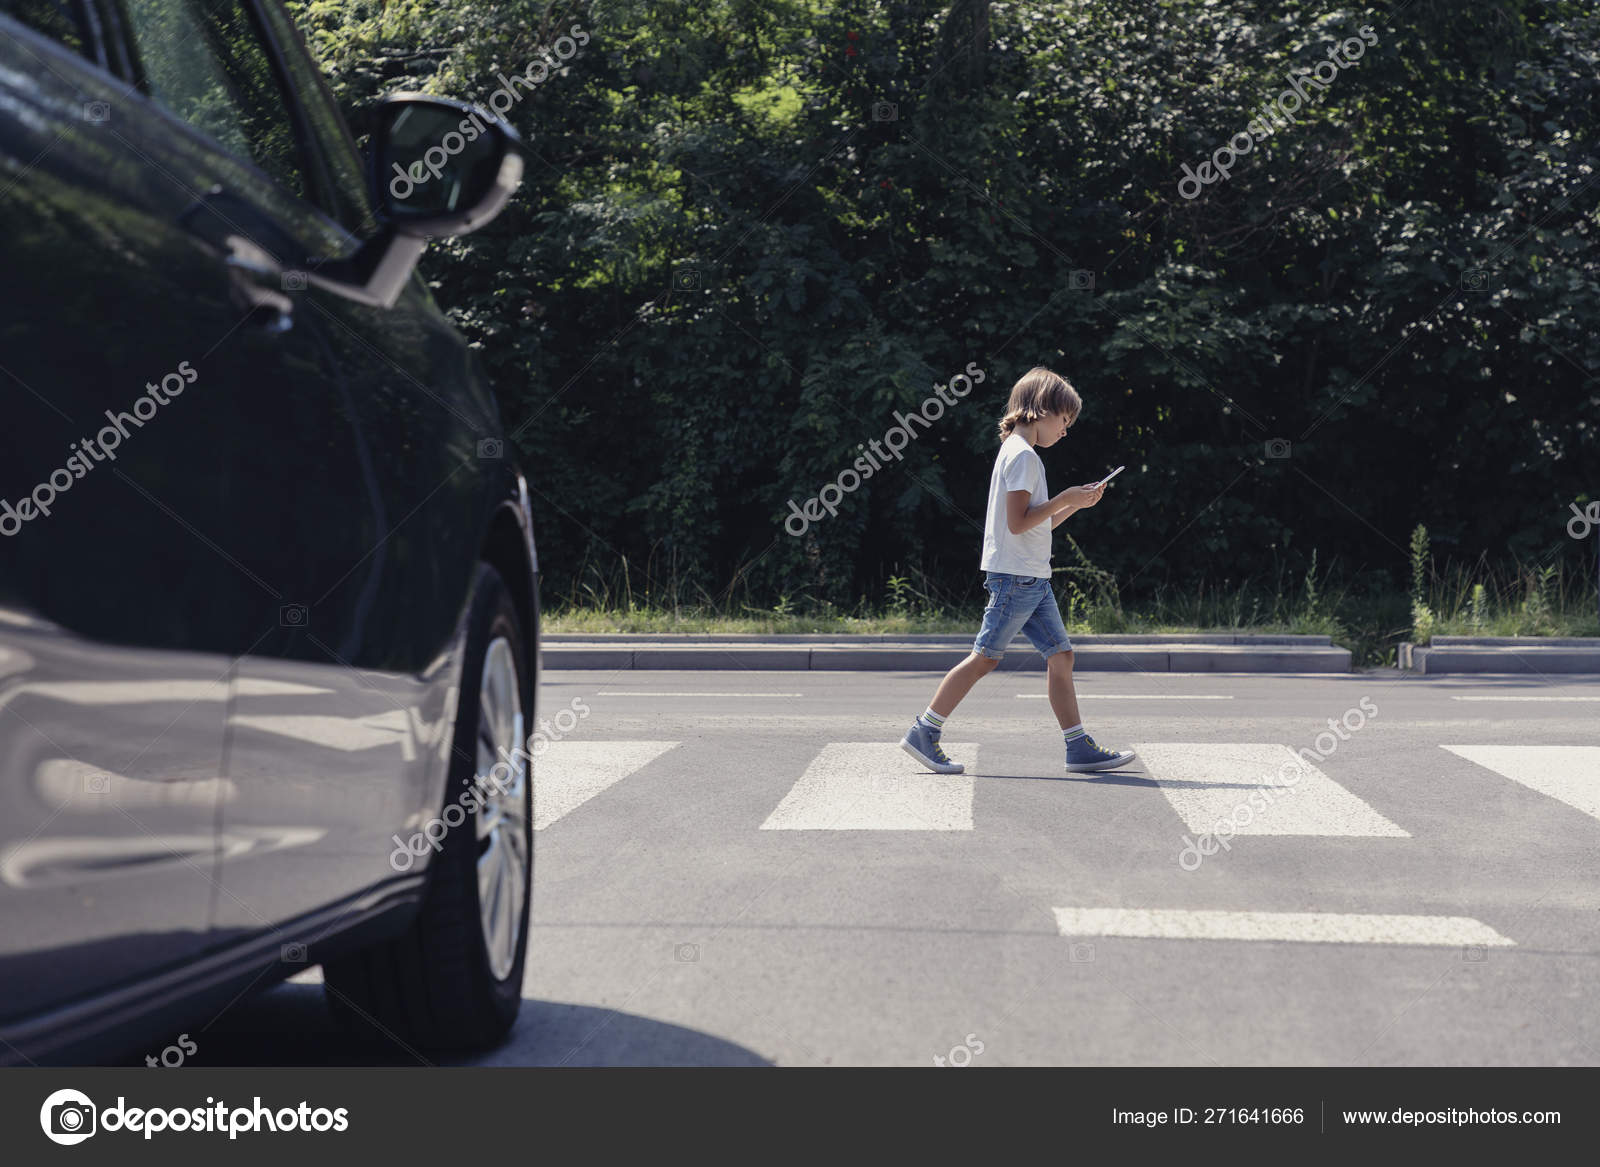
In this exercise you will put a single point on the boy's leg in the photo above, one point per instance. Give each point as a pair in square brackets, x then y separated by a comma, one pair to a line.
[1002, 617]
[1000, 624]
[1047, 634]
[958, 682]
[1063, 695]
[922, 739]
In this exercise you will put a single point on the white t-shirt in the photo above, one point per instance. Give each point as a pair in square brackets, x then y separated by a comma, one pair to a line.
[1016, 467]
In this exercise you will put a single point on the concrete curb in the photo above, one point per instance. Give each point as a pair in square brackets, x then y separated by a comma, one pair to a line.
[1523, 655]
[1221, 653]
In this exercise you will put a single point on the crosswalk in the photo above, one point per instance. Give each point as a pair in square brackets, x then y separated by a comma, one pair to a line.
[1258, 788]
[868, 786]
[1569, 774]
[572, 772]
[1211, 789]
[873, 786]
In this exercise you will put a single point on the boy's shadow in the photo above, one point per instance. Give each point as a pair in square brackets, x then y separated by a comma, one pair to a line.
[1116, 776]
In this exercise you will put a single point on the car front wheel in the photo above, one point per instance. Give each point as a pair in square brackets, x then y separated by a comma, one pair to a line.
[454, 979]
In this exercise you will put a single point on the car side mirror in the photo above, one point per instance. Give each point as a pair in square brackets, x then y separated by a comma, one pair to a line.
[440, 168]
[443, 167]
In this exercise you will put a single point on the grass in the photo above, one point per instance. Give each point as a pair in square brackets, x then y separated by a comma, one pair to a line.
[1514, 600]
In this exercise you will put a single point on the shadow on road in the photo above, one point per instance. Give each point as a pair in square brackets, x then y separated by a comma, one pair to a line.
[1117, 777]
[290, 1025]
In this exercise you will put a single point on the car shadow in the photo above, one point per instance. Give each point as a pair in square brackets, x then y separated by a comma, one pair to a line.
[291, 1025]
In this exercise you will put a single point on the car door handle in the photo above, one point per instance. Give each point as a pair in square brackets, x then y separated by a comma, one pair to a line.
[255, 275]
[250, 273]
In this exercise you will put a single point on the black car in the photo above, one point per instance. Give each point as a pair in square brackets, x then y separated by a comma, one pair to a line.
[268, 588]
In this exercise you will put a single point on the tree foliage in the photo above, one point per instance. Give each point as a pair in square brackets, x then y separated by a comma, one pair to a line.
[752, 230]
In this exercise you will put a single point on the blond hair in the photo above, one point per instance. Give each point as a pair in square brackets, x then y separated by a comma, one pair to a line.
[1039, 392]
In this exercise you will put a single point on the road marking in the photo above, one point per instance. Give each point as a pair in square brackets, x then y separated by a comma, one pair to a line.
[1519, 697]
[569, 774]
[665, 693]
[1138, 696]
[1258, 788]
[876, 786]
[1304, 927]
[1569, 774]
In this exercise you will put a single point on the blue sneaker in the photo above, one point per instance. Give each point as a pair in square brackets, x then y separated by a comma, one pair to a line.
[922, 744]
[1083, 754]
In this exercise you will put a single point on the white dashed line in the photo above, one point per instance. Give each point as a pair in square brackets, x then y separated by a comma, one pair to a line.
[1303, 927]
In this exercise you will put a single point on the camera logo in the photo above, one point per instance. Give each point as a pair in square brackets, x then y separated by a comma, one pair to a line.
[1475, 280]
[96, 111]
[67, 1117]
[292, 616]
[686, 279]
[1278, 449]
[885, 111]
[294, 281]
[686, 953]
[961, 1055]
[491, 448]
[1080, 280]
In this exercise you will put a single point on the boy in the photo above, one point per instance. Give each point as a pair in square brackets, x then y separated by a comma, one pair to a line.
[1016, 558]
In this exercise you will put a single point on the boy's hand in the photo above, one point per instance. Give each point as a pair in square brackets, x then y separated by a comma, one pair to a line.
[1084, 496]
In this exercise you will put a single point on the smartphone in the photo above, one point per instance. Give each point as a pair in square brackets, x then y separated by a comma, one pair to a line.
[1110, 476]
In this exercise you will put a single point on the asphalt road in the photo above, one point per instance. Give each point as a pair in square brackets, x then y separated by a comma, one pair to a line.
[739, 868]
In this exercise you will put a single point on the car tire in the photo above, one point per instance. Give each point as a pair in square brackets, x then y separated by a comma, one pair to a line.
[454, 978]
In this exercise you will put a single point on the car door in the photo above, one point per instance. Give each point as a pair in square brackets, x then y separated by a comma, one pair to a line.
[323, 757]
[150, 347]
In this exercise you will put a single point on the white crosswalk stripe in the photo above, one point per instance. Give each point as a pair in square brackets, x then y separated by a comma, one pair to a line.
[1305, 927]
[568, 774]
[1258, 788]
[875, 786]
[1570, 774]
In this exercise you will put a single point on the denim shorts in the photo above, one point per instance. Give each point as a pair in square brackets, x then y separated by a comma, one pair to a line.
[1020, 603]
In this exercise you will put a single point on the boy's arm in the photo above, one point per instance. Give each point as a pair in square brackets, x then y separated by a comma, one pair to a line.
[1021, 517]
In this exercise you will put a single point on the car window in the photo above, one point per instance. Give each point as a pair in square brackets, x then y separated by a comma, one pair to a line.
[57, 19]
[342, 170]
[206, 62]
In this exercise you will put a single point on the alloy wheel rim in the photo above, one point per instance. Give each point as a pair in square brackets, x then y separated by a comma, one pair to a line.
[502, 832]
